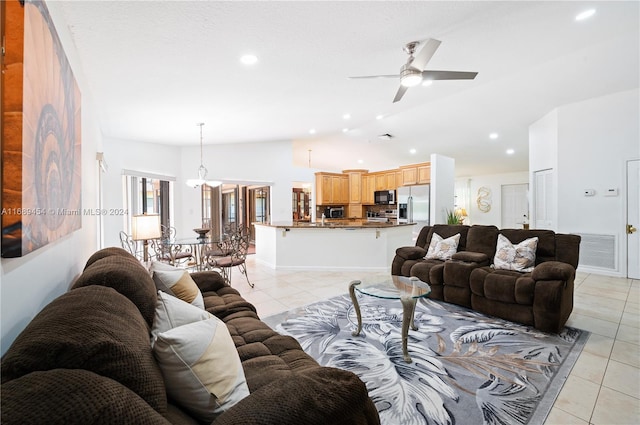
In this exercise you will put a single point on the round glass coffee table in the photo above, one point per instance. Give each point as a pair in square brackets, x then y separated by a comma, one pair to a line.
[405, 289]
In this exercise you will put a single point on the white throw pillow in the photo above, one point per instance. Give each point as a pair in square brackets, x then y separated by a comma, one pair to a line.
[201, 368]
[442, 249]
[177, 282]
[520, 257]
[172, 312]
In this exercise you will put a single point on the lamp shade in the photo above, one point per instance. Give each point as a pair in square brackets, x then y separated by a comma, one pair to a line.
[145, 226]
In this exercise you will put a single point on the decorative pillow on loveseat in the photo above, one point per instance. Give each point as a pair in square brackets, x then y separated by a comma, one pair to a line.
[177, 282]
[520, 257]
[442, 249]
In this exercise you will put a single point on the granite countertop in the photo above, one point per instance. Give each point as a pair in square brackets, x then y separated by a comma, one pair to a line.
[337, 224]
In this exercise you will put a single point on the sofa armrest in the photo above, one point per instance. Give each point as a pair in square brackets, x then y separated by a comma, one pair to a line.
[411, 252]
[321, 395]
[208, 281]
[472, 257]
[553, 270]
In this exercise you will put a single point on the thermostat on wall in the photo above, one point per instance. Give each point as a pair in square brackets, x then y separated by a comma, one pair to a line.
[611, 192]
[589, 192]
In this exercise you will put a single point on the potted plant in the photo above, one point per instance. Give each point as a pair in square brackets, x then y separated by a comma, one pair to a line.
[453, 217]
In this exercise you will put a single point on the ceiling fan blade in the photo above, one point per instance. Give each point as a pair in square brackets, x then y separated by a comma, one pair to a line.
[374, 76]
[448, 75]
[400, 93]
[424, 55]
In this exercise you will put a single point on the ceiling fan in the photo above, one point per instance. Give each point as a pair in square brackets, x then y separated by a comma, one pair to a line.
[413, 73]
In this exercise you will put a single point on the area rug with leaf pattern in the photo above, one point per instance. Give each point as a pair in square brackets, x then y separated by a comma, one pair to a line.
[467, 368]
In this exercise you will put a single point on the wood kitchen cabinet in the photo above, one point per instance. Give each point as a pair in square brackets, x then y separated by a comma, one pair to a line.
[354, 211]
[424, 173]
[332, 189]
[416, 173]
[368, 187]
[355, 185]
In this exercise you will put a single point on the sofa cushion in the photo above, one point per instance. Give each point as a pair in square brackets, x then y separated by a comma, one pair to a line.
[546, 248]
[509, 287]
[520, 257]
[73, 396]
[482, 239]
[93, 328]
[448, 230]
[126, 275]
[442, 249]
[471, 257]
[201, 367]
[177, 282]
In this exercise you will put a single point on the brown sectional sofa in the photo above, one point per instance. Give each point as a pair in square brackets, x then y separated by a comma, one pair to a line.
[542, 298]
[86, 358]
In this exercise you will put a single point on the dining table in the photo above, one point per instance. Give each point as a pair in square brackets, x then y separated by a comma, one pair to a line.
[199, 248]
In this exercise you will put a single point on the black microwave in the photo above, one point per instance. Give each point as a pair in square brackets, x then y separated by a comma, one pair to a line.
[384, 197]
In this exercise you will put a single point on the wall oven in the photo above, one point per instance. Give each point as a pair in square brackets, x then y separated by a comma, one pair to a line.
[384, 197]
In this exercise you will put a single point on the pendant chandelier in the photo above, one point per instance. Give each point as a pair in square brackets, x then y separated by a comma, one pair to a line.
[202, 170]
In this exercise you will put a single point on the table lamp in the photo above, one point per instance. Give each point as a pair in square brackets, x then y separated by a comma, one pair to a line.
[145, 227]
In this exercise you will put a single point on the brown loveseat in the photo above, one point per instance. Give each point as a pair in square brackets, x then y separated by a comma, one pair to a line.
[86, 359]
[542, 298]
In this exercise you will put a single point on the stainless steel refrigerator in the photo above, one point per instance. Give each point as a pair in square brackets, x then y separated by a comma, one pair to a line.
[413, 206]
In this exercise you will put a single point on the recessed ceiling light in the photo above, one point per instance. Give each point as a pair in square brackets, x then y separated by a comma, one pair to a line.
[493, 136]
[360, 161]
[344, 130]
[586, 14]
[249, 59]
[312, 131]
[379, 117]
[427, 82]
[346, 116]
[412, 151]
[510, 151]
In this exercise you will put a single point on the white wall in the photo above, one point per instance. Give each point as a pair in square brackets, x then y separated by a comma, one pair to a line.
[443, 171]
[32, 281]
[142, 157]
[269, 161]
[594, 140]
[494, 183]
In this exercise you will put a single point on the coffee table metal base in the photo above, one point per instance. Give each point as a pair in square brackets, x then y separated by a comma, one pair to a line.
[408, 311]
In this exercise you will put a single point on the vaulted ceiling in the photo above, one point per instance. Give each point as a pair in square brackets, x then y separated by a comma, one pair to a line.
[156, 68]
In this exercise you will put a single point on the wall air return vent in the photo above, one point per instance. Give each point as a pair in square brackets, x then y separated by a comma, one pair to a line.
[598, 251]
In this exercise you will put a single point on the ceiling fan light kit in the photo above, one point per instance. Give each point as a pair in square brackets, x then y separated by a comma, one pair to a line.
[413, 73]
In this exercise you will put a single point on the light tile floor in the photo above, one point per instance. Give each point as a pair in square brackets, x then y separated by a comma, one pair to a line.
[602, 389]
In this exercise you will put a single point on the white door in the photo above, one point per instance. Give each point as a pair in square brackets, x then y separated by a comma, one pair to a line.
[633, 219]
[515, 205]
[544, 200]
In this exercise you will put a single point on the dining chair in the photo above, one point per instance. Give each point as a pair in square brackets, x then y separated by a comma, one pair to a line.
[127, 242]
[167, 252]
[239, 243]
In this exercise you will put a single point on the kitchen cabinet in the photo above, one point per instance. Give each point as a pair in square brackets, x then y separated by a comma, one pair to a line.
[368, 187]
[391, 180]
[424, 173]
[355, 185]
[381, 181]
[354, 211]
[332, 189]
[409, 175]
[416, 174]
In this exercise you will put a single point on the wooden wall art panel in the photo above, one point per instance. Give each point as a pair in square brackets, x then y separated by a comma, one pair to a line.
[41, 139]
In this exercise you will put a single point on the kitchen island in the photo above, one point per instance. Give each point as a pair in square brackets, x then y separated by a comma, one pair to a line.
[335, 245]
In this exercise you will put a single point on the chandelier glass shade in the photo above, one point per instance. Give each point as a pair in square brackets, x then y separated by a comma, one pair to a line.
[202, 170]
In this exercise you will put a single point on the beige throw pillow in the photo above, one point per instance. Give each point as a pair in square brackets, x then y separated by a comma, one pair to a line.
[520, 257]
[172, 312]
[442, 249]
[201, 367]
[177, 282]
